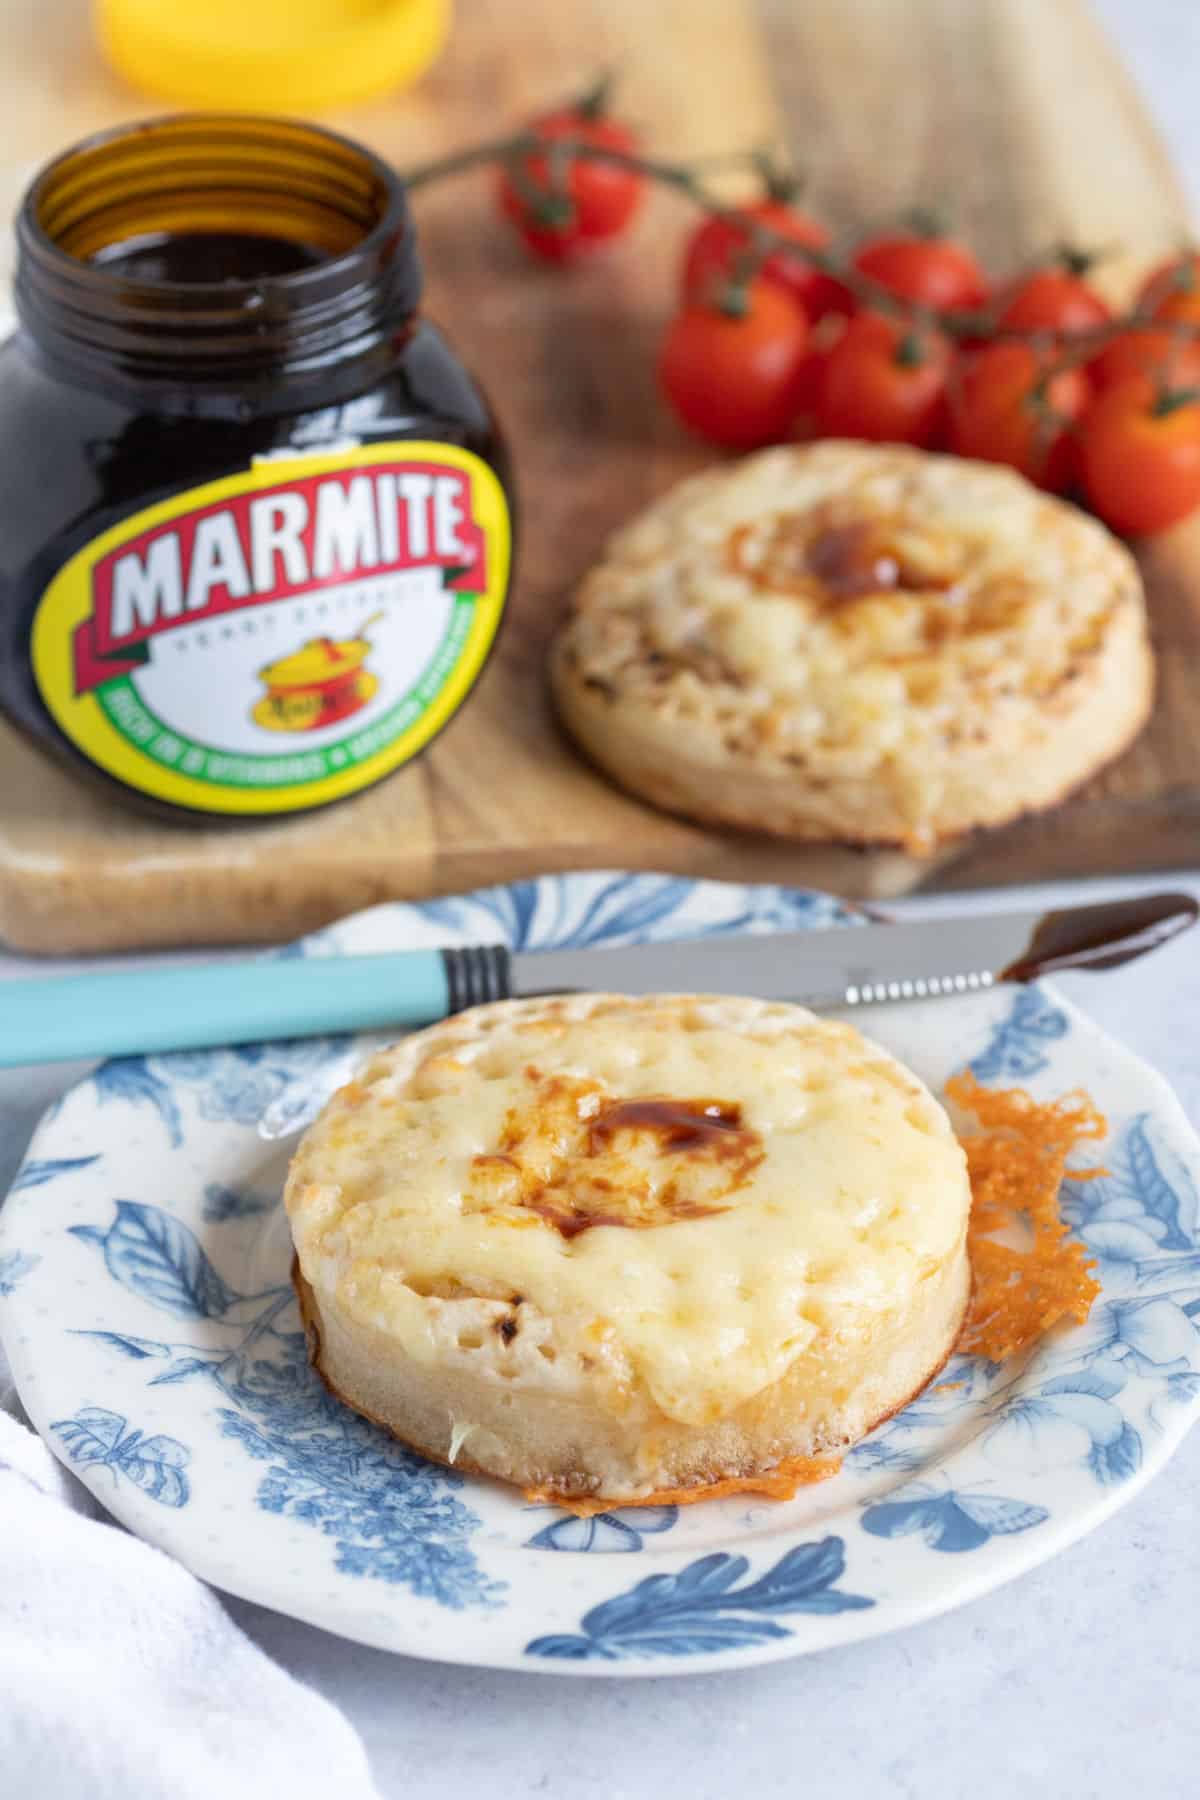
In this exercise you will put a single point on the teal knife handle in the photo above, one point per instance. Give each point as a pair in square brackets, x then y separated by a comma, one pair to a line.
[144, 1010]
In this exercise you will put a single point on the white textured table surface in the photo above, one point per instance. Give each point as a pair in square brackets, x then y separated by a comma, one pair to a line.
[1078, 1680]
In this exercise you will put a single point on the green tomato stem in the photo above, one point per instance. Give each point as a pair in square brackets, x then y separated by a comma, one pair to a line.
[1068, 349]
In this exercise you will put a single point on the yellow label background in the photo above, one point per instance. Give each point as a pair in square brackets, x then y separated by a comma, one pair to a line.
[67, 602]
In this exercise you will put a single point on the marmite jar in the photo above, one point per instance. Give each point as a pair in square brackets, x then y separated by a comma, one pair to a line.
[255, 517]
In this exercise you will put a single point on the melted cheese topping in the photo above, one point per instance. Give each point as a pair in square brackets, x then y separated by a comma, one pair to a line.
[675, 1197]
[848, 602]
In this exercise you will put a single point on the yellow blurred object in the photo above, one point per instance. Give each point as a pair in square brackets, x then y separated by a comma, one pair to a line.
[271, 55]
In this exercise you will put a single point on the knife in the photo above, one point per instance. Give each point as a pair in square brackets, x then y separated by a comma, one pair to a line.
[145, 1010]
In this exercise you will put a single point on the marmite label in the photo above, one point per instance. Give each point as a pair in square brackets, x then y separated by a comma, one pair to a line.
[284, 636]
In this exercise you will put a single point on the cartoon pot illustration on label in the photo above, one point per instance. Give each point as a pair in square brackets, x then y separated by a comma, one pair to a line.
[319, 684]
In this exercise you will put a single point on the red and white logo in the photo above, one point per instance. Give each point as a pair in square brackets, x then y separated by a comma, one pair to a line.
[294, 538]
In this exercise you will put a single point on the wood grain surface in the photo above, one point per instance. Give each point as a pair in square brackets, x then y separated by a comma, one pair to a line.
[1012, 117]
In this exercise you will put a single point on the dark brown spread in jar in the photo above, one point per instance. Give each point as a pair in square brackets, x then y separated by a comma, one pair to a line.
[255, 516]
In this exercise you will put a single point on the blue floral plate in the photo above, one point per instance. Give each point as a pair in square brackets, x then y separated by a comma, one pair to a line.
[152, 1332]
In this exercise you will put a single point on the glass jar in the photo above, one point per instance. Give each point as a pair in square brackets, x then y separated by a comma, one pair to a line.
[255, 516]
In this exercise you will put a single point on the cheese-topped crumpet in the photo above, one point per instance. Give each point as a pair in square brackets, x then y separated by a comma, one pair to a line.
[606, 1246]
[860, 642]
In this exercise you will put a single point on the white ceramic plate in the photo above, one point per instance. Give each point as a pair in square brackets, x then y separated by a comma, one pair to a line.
[152, 1332]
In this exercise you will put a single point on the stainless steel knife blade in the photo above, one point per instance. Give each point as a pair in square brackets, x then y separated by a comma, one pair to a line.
[856, 966]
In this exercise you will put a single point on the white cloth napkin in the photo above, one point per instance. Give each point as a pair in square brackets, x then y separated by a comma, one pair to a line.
[123, 1678]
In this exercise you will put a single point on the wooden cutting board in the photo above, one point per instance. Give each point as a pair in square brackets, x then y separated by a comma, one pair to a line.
[1012, 116]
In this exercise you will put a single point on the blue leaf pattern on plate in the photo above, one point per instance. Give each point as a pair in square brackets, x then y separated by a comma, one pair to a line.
[36, 1173]
[1017, 1046]
[1047, 1430]
[1146, 1204]
[570, 912]
[393, 1516]
[156, 1256]
[622, 1529]
[154, 1464]
[130, 1079]
[14, 1266]
[528, 913]
[185, 1366]
[903, 1442]
[235, 1084]
[240, 1083]
[702, 1609]
[139, 1348]
[1150, 1336]
[221, 1203]
[1171, 1200]
[1118, 1459]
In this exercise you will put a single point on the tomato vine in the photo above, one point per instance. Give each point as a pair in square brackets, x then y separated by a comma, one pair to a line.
[901, 339]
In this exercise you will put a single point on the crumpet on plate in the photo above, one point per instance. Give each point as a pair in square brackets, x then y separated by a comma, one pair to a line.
[606, 1246]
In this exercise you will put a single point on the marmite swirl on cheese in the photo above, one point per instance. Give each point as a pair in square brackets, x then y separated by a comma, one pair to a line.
[857, 642]
[606, 1246]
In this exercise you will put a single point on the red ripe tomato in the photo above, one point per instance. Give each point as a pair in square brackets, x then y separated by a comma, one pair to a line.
[1148, 351]
[1140, 455]
[998, 414]
[932, 271]
[1054, 300]
[561, 217]
[1173, 290]
[737, 378]
[715, 246]
[885, 380]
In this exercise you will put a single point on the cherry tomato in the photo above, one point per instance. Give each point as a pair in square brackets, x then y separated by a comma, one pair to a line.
[933, 271]
[1146, 351]
[1140, 455]
[886, 380]
[809, 385]
[1056, 300]
[737, 379]
[1173, 290]
[714, 248]
[998, 415]
[562, 216]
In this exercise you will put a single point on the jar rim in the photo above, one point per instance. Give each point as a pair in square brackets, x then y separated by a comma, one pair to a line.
[393, 219]
[218, 175]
